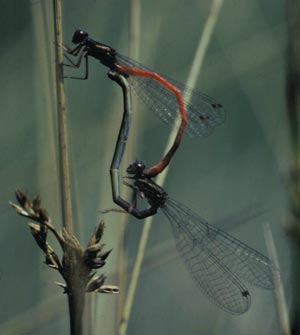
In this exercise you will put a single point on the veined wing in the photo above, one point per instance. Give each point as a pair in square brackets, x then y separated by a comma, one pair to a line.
[204, 113]
[218, 261]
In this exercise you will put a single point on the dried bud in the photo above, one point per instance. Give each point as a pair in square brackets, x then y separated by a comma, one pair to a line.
[94, 263]
[26, 206]
[97, 234]
[109, 289]
[21, 197]
[35, 228]
[29, 208]
[36, 203]
[105, 254]
[19, 209]
[92, 274]
[95, 283]
[43, 215]
[39, 235]
[62, 285]
[52, 260]
[93, 250]
[99, 231]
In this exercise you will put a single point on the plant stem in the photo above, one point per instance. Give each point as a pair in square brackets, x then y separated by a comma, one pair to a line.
[134, 51]
[62, 123]
[194, 73]
[75, 283]
[293, 110]
[76, 307]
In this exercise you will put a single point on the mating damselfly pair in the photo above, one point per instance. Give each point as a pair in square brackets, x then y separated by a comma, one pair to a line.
[218, 262]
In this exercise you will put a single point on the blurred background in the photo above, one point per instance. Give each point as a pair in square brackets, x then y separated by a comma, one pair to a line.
[237, 178]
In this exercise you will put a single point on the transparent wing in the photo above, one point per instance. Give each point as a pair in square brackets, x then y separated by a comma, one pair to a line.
[217, 260]
[204, 113]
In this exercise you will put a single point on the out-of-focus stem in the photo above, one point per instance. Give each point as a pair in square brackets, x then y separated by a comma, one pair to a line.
[281, 304]
[293, 101]
[194, 73]
[293, 110]
[134, 50]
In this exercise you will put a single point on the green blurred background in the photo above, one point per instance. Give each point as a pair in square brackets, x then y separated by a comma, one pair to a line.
[236, 178]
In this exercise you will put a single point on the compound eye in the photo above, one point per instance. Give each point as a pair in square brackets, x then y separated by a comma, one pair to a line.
[79, 36]
[136, 168]
[140, 165]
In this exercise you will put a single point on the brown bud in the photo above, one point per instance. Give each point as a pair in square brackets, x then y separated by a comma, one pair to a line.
[94, 263]
[109, 289]
[62, 285]
[43, 215]
[52, 260]
[105, 254]
[94, 249]
[97, 234]
[36, 202]
[21, 197]
[39, 236]
[95, 283]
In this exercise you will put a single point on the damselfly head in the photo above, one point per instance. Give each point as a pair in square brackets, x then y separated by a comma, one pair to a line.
[79, 36]
[136, 168]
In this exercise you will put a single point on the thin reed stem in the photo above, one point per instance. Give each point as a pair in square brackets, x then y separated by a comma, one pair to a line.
[293, 110]
[62, 122]
[194, 73]
[76, 293]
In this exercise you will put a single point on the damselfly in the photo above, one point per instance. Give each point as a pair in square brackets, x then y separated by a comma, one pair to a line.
[218, 262]
[163, 95]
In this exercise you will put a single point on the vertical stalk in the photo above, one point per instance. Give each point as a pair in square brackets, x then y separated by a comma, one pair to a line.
[293, 110]
[280, 298]
[62, 122]
[76, 289]
[76, 307]
[134, 48]
[194, 73]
